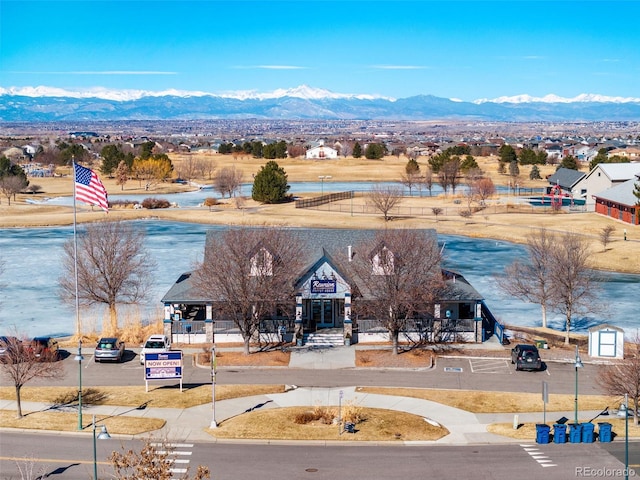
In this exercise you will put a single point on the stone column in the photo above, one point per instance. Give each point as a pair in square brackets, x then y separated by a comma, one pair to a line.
[208, 325]
[348, 322]
[298, 328]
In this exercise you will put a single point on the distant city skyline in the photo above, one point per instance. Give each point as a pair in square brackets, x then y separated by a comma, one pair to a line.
[466, 50]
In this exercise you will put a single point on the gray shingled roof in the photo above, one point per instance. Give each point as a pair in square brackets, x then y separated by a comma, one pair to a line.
[566, 178]
[321, 244]
[621, 194]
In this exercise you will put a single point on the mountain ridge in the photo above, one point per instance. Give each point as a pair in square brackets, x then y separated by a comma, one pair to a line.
[303, 102]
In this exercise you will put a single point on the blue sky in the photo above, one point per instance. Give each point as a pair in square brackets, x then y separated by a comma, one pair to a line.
[454, 49]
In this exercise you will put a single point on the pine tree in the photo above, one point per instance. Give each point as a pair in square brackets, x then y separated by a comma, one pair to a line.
[270, 184]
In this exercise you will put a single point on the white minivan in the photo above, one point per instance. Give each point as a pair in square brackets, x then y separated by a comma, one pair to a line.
[155, 344]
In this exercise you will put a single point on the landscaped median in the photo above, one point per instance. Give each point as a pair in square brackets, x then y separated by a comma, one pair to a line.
[59, 400]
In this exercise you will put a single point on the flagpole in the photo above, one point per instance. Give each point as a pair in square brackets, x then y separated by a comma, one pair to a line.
[75, 251]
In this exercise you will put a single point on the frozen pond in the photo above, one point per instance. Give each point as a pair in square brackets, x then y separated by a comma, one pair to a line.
[30, 302]
[195, 198]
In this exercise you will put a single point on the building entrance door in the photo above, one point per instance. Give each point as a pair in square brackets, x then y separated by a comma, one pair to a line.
[322, 312]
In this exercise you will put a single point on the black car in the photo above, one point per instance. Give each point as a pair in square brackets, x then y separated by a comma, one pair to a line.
[526, 357]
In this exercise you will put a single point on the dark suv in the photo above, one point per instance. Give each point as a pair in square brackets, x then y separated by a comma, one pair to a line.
[526, 357]
[43, 348]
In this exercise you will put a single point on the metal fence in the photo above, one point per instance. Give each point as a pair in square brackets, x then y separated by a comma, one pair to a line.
[407, 211]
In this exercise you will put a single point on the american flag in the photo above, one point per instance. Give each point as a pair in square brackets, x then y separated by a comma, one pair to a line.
[89, 188]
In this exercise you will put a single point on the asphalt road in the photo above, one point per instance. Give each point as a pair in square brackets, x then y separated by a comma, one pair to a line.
[70, 457]
[448, 373]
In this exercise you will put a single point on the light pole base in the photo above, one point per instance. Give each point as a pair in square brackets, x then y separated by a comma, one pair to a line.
[213, 424]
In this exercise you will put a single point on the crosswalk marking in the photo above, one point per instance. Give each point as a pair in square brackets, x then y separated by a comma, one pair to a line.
[539, 456]
[174, 455]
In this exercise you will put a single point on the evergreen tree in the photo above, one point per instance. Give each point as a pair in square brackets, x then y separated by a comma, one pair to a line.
[357, 150]
[270, 184]
[507, 154]
[534, 174]
[111, 155]
[412, 167]
[375, 151]
[636, 192]
[569, 162]
[514, 170]
[527, 157]
[469, 163]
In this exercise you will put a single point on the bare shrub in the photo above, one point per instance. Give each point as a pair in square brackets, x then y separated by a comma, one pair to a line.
[153, 203]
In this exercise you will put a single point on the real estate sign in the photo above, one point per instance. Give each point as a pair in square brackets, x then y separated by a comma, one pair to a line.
[163, 366]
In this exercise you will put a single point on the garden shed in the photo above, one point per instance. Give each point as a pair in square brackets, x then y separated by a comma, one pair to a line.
[606, 341]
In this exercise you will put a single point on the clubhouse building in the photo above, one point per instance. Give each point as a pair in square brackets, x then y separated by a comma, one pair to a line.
[324, 309]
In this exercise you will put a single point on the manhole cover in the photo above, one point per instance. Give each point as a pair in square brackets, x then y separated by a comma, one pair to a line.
[453, 369]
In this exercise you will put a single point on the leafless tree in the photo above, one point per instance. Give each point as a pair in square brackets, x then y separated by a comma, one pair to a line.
[436, 211]
[532, 281]
[410, 180]
[624, 378]
[605, 235]
[122, 174]
[449, 174]
[21, 365]
[482, 189]
[11, 185]
[573, 280]
[399, 277]
[153, 462]
[113, 267]
[228, 181]
[385, 198]
[426, 180]
[250, 274]
[209, 167]
[192, 167]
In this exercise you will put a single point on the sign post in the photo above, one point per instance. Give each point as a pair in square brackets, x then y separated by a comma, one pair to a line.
[213, 388]
[163, 366]
[545, 400]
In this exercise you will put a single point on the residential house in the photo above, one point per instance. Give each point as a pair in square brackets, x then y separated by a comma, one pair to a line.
[619, 202]
[321, 152]
[603, 177]
[568, 180]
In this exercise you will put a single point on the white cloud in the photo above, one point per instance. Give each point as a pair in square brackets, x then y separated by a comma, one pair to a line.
[398, 67]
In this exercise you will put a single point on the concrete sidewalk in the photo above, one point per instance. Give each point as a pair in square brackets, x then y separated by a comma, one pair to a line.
[190, 424]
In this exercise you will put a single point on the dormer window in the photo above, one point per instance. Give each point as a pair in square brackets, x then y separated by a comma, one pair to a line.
[262, 263]
[382, 262]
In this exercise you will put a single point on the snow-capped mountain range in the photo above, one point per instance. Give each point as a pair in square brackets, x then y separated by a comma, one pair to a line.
[303, 102]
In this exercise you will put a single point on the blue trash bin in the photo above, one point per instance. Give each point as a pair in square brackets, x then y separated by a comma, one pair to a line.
[559, 433]
[587, 432]
[575, 433]
[542, 433]
[604, 431]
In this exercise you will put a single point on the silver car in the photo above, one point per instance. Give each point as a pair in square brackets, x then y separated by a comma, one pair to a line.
[109, 348]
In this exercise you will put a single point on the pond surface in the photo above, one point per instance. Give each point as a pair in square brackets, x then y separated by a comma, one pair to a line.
[31, 305]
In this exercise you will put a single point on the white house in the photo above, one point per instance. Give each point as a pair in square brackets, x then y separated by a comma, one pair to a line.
[603, 177]
[321, 152]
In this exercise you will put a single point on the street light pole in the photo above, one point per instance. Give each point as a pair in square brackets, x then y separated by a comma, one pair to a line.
[79, 359]
[626, 436]
[578, 364]
[214, 424]
[104, 435]
[322, 177]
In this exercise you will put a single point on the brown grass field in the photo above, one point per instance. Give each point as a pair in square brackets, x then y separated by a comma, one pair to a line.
[510, 223]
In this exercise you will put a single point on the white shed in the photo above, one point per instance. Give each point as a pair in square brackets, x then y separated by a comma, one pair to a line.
[606, 341]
